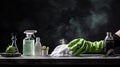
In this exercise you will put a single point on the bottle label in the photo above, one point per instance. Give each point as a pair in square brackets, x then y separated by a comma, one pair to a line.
[28, 48]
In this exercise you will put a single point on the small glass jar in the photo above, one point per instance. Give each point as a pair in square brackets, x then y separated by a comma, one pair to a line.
[44, 52]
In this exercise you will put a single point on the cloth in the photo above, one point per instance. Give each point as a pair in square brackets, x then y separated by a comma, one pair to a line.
[61, 50]
[80, 46]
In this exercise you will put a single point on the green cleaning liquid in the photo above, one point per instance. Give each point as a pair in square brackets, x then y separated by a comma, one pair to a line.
[28, 47]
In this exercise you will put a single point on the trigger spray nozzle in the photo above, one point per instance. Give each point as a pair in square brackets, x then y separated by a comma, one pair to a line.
[30, 32]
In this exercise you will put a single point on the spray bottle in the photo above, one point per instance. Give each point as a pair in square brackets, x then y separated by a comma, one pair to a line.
[29, 43]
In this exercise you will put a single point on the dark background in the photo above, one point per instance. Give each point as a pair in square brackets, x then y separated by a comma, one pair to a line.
[57, 19]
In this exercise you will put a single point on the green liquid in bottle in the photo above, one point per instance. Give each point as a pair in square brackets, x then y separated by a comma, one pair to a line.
[28, 47]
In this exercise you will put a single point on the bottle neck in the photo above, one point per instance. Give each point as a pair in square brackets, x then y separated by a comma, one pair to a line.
[28, 35]
[109, 36]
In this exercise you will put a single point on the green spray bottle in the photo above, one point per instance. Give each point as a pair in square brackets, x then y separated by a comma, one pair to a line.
[29, 43]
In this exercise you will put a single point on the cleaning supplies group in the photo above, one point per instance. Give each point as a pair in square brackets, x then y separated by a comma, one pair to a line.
[31, 47]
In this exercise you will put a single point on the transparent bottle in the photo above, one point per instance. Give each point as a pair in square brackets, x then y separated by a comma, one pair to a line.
[109, 44]
[29, 43]
[38, 47]
[14, 42]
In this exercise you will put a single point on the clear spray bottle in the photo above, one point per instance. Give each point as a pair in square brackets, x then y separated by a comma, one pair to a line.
[29, 43]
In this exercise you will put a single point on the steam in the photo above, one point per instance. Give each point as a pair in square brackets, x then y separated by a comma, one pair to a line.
[96, 19]
[98, 15]
[83, 27]
[76, 28]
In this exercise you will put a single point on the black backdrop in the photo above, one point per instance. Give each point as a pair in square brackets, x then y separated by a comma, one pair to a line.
[57, 19]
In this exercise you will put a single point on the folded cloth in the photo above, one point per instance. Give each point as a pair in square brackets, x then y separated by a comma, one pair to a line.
[61, 50]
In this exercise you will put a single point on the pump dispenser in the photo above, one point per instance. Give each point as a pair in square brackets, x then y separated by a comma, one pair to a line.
[28, 43]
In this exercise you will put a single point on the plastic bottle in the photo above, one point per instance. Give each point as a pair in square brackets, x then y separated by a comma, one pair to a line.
[29, 43]
[38, 47]
[109, 44]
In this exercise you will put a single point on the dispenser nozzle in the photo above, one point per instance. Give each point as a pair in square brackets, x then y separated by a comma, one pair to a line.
[30, 31]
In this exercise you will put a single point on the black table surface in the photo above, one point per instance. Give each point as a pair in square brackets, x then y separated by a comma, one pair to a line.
[84, 59]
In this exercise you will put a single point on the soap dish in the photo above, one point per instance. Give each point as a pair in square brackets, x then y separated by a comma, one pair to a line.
[11, 54]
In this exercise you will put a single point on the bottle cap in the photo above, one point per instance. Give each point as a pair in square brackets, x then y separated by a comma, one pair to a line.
[109, 32]
[62, 41]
